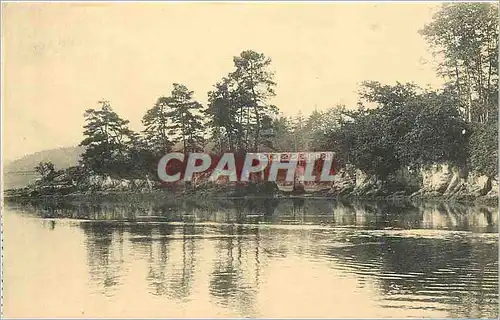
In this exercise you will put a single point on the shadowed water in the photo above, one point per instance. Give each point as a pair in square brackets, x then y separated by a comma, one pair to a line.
[250, 258]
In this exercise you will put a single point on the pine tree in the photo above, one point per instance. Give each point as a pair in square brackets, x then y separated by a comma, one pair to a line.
[186, 124]
[156, 124]
[107, 140]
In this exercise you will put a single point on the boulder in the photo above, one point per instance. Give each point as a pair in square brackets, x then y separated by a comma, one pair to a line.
[454, 185]
[123, 185]
[493, 193]
[479, 185]
[344, 184]
[437, 177]
[94, 182]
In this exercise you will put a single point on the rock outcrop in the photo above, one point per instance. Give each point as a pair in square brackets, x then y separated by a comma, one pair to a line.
[449, 182]
[107, 183]
[442, 181]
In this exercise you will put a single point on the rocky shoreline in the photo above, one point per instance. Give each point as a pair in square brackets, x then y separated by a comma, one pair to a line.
[438, 182]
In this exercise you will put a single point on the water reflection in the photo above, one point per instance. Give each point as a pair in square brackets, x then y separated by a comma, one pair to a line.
[104, 245]
[371, 215]
[435, 259]
[432, 272]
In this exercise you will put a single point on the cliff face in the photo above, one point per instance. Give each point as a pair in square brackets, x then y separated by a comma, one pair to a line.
[449, 182]
[442, 181]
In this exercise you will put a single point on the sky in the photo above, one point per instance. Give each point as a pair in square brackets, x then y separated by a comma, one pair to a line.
[59, 59]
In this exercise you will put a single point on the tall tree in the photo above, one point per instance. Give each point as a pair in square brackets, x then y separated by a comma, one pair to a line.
[319, 123]
[156, 124]
[239, 109]
[107, 140]
[223, 114]
[186, 124]
[465, 37]
[299, 132]
[282, 134]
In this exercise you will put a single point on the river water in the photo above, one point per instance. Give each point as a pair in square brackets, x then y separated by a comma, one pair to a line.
[250, 258]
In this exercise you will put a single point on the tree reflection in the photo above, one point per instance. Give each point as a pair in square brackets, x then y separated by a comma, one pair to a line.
[234, 280]
[181, 277]
[157, 270]
[406, 249]
[433, 268]
[104, 266]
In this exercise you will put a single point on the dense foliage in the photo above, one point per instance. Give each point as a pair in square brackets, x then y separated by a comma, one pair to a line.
[483, 148]
[408, 127]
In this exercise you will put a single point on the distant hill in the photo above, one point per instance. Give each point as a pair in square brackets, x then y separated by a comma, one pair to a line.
[19, 173]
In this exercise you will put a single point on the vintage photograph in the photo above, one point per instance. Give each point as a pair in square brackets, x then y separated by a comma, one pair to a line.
[250, 159]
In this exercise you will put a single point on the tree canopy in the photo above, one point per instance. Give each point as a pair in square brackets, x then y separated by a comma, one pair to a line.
[393, 126]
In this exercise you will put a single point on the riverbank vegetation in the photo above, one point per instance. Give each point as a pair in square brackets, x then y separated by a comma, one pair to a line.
[395, 129]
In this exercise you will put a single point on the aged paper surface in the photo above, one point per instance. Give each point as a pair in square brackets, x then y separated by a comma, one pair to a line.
[403, 95]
